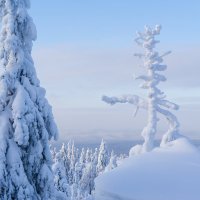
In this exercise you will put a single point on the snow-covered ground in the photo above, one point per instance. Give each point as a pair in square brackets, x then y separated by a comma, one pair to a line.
[166, 173]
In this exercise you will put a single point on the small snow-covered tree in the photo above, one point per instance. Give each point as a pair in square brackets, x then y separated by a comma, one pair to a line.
[95, 157]
[156, 102]
[103, 158]
[78, 172]
[66, 159]
[82, 156]
[72, 164]
[26, 120]
[60, 176]
[53, 152]
[112, 163]
[86, 182]
[88, 156]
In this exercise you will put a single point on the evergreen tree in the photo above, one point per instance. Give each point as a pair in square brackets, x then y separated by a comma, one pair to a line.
[88, 155]
[60, 177]
[26, 118]
[53, 152]
[69, 149]
[78, 172]
[103, 158]
[95, 157]
[72, 164]
[66, 159]
[82, 157]
[112, 163]
[87, 180]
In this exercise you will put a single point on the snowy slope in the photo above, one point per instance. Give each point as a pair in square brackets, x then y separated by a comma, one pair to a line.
[167, 173]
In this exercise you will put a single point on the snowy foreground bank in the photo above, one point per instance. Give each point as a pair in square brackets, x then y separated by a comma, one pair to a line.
[166, 173]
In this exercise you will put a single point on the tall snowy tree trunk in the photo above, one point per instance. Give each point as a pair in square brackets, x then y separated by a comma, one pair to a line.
[27, 121]
[150, 130]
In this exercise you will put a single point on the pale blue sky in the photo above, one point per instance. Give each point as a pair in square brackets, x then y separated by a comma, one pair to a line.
[90, 22]
[85, 49]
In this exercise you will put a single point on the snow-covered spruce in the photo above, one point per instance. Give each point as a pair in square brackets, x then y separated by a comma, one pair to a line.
[26, 120]
[103, 158]
[112, 163]
[156, 102]
[60, 177]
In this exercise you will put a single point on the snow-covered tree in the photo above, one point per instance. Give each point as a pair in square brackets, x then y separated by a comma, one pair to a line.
[86, 182]
[95, 157]
[72, 164]
[77, 154]
[26, 120]
[94, 161]
[78, 172]
[53, 152]
[156, 102]
[60, 176]
[88, 156]
[103, 158]
[82, 156]
[66, 159]
[112, 163]
[69, 149]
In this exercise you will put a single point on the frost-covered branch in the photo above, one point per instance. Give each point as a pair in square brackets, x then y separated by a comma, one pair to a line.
[173, 130]
[168, 104]
[131, 99]
[170, 117]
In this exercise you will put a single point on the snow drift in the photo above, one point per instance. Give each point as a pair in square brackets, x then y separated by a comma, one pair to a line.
[166, 173]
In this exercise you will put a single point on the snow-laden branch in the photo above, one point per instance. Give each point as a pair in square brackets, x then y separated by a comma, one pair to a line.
[168, 104]
[173, 130]
[147, 78]
[131, 99]
[170, 117]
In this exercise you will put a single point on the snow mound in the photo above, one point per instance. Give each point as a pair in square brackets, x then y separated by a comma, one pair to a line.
[166, 173]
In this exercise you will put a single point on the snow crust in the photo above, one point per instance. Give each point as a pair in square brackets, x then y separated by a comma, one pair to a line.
[171, 172]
